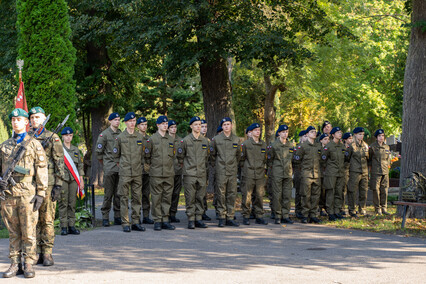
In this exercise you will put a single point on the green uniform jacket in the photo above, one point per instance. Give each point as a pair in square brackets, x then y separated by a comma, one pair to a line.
[159, 154]
[35, 182]
[128, 151]
[145, 139]
[334, 156]
[104, 150]
[75, 155]
[225, 154]
[177, 166]
[296, 158]
[253, 159]
[379, 158]
[280, 157]
[357, 154]
[55, 157]
[194, 154]
[310, 158]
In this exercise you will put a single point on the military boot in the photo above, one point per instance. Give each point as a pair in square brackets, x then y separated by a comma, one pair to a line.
[286, 221]
[146, 220]
[272, 215]
[117, 221]
[157, 226]
[191, 225]
[29, 270]
[137, 227]
[64, 231]
[14, 269]
[173, 219]
[167, 226]
[40, 258]
[73, 231]
[205, 217]
[246, 221]
[105, 222]
[221, 223]
[48, 260]
[200, 224]
[261, 221]
[232, 223]
[314, 220]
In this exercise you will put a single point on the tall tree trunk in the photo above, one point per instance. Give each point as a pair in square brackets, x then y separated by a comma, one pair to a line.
[270, 112]
[216, 92]
[414, 105]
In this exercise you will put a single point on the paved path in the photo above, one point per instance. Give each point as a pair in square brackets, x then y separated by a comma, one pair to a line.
[248, 254]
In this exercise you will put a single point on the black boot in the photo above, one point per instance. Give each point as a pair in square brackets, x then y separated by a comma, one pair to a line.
[232, 223]
[126, 229]
[299, 215]
[73, 231]
[200, 224]
[332, 217]
[272, 215]
[304, 220]
[157, 226]
[167, 226]
[105, 222]
[191, 225]
[277, 221]
[146, 220]
[261, 221]
[221, 223]
[314, 220]
[40, 259]
[173, 219]
[246, 221]
[64, 231]
[137, 227]
[117, 221]
[286, 221]
[205, 217]
[48, 260]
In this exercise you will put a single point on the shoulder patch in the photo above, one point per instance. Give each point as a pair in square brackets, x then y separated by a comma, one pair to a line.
[57, 139]
[99, 146]
[146, 150]
[115, 150]
[41, 158]
[324, 157]
[180, 151]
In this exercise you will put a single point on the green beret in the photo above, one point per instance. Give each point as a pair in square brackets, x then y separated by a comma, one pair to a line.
[18, 112]
[35, 110]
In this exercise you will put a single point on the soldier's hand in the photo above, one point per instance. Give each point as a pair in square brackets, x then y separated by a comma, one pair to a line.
[56, 192]
[37, 200]
[3, 185]
[146, 167]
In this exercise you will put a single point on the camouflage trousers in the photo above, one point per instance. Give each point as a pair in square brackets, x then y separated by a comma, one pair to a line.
[45, 225]
[20, 221]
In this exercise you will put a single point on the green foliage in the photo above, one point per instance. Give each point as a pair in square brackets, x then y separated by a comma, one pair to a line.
[45, 46]
[4, 135]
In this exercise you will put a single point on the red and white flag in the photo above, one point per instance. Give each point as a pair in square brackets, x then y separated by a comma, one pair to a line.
[21, 101]
[74, 172]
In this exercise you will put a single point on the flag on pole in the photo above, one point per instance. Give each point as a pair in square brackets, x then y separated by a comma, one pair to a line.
[21, 101]
[74, 172]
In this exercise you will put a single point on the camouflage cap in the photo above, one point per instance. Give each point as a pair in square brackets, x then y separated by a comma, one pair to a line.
[18, 112]
[36, 109]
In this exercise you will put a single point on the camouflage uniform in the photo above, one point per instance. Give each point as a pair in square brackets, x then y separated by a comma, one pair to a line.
[379, 183]
[104, 152]
[16, 210]
[55, 165]
[68, 199]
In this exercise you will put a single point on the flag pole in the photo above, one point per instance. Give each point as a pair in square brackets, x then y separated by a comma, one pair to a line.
[20, 64]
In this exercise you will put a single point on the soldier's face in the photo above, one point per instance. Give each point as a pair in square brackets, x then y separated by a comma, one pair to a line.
[250, 134]
[256, 132]
[312, 134]
[131, 123]
[349, 140]
[67, 137]
[173, 129]
[196, 126]
[359, 136]
[204, 128]
[327, 128]
[37, 119]
[163, 126]
[284, 135]
[338, 134]
[115, 122]
[19, 124]
[325, 140]
[303, 138]
[381, 138]
[227, 126]
[143, 126]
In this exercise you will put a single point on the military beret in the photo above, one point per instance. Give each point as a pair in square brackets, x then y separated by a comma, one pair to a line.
[277, 134]
[379, 131]
[194, 119]
[225, 119]
[358, 130]
[335, 129]
[67, 130]
[219, 129]
[172, 122]
[129, 115]
[203, 121]
[247, 130]
[161, 119]
[113, 116]
[282, 128]
[36, 109]
[323, 136]
[346, 135]
[140, 120]
[253, 127]
[18, 112]
[302, 133]
[309, 129]
[325, 124]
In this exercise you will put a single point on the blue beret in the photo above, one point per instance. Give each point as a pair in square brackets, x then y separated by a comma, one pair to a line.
[247, 130]
[140, 120]
[358, 130]
[194, 119]
[277, 134]
[129, 115]
[36, 109]
[172, 122]
[203, 121]
[252, 127]
[335, 129]
[67, 130]
[309, 129]
[18, 112]
[302, 133]
[346, 135]
[219, 129]
[325, 124]
[225, 120]
[113, 116]
[379, 131]
[161, 119]
[282, 128]
[323, 136]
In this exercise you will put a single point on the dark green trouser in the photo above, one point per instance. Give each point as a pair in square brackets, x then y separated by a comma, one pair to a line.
[195, 191]
[66, 204]
[269, 189]
[298, 198]
[310, 190]
[281, 201]
[357, 182]
[111, 196]
[226, 195]
[379, 186]
[251, 187]
[333, 193]
[322, 201]
[161, 195]
[132, 185]
[146, 190]
[345, 191]
[177, 187]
